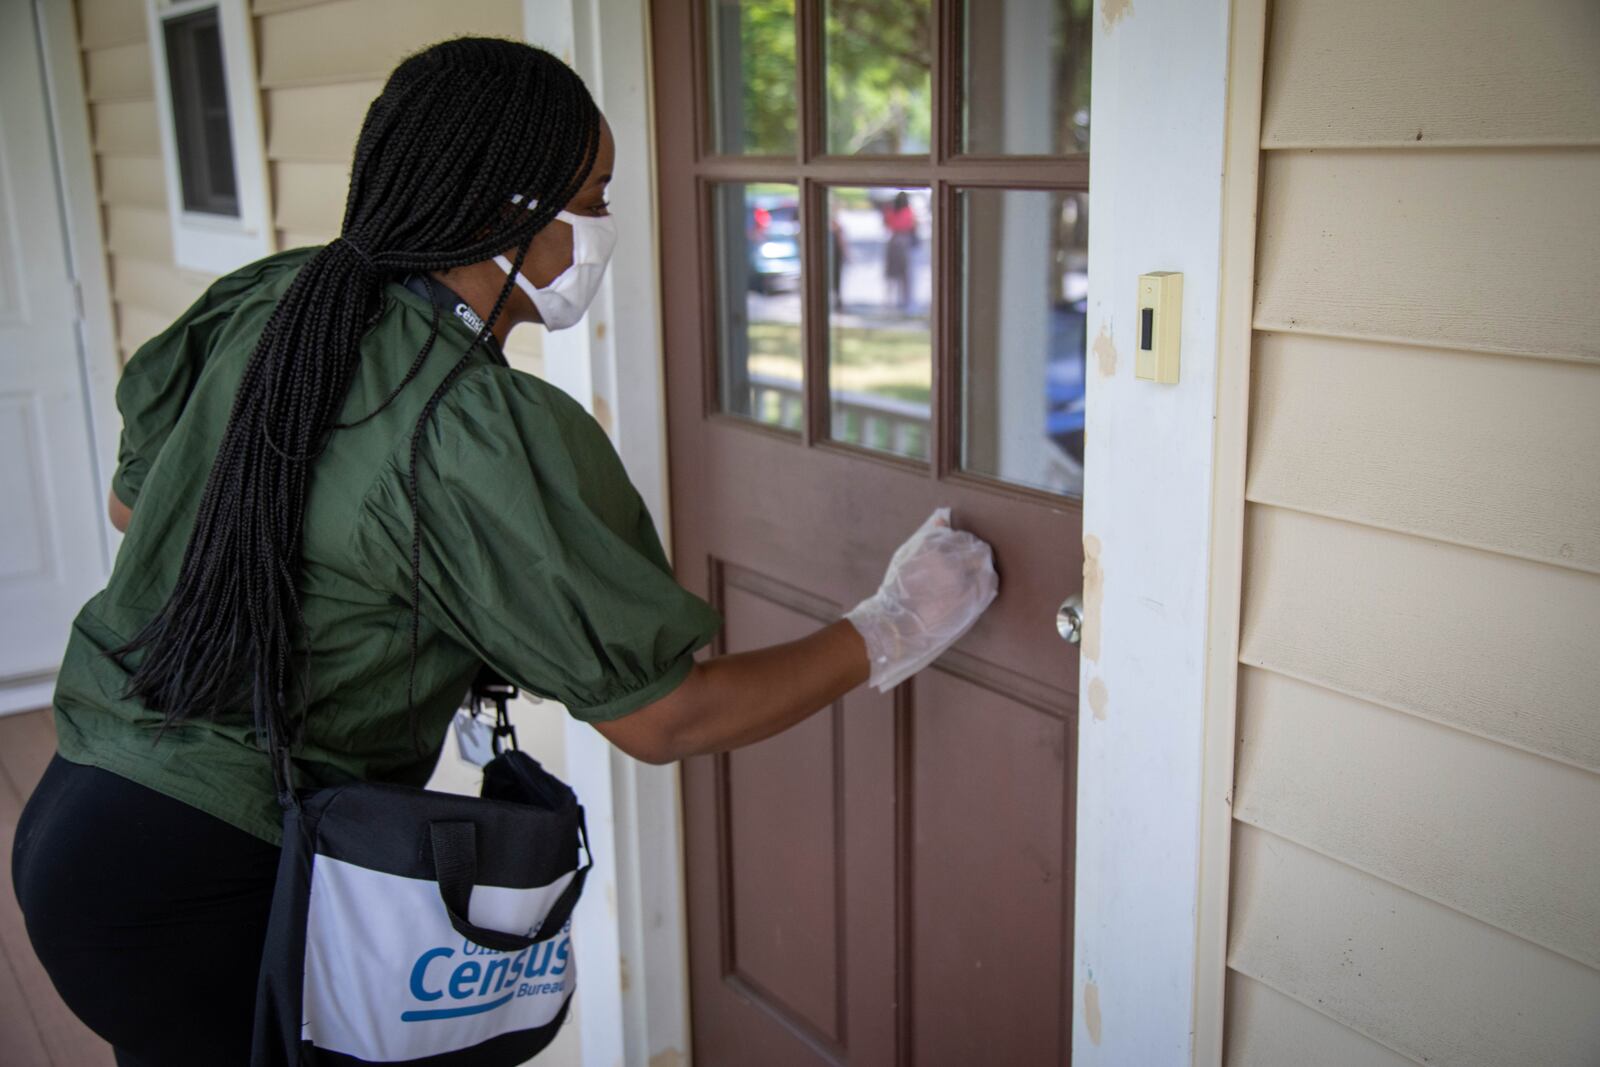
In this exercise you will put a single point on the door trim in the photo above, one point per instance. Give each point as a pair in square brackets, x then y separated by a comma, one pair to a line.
[1241, 167]
[99, 360]
[1158, 141]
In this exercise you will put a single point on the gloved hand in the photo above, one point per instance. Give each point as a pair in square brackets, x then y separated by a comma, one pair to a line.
[937, 585]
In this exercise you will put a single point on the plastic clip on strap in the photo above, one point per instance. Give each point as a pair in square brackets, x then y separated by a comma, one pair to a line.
[455, 866]
[490, 686]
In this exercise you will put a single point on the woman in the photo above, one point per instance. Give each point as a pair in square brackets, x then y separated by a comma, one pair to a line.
[901, 223]
[339, 504]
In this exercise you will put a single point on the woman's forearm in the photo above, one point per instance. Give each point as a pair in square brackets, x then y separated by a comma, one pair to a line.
[738, 699]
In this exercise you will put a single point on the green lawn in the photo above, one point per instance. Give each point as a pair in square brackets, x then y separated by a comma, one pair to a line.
[886, 362]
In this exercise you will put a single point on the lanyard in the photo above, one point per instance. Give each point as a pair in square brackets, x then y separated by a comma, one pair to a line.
[449, 301]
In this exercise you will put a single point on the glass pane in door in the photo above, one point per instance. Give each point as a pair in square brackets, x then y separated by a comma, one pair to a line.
[880, 355]
[1024, 286]
[750, 53]
[1025, 76]
[879, 59]
[757, 228]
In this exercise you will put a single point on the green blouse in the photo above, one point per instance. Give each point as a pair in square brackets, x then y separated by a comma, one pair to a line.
[538, 558]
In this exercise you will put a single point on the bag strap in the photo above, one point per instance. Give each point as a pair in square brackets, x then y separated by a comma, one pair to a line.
[455, 866]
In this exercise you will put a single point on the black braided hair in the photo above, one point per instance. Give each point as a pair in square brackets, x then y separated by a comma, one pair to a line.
[459, 129]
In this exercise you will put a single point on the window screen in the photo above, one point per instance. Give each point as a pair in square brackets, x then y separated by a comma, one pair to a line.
[200, 114]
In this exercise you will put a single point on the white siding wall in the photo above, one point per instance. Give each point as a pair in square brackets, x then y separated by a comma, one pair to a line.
[1416, 868]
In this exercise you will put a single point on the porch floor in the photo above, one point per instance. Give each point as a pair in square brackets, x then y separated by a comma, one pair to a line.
[36, 1029]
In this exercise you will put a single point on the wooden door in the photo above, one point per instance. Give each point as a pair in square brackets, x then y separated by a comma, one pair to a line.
[892, 880]
[52, 556]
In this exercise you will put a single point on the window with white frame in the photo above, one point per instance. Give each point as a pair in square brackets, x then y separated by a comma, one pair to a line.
[206, 99]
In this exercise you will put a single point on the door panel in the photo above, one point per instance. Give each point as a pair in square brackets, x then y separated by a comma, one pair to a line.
[51, 555]
[891, 881]
[991, 926]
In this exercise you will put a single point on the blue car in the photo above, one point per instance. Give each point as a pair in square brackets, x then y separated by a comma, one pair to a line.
[1064, 378]
[772, 237]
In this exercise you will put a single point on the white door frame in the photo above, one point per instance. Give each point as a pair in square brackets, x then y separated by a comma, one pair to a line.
[74, 167]
[1160, 126]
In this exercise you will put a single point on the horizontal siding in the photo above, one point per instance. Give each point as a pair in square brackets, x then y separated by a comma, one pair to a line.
[126, 128]
[269, 7]
[288, 239]
[1441, 72]
[132, 181]
[1418, 722]
[109, 23]
[309, 197]
[157, 287]
[318, 124]
[1411, 974]
[1473, 449]
[1501, 647]
[136, 325]
[1494, 247]
[147, 291]
[1504, 836]
[1267, 1029]
[120, 73]
[141, 233]
[362, 40]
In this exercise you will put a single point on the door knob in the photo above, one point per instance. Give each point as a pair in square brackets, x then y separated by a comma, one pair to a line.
[1069, 619]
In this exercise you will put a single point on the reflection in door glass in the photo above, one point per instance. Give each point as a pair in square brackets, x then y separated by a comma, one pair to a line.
[879, 75]
[880, 362]
[758, 302]
[1024, 297]
[751, 59]
[1025, 83]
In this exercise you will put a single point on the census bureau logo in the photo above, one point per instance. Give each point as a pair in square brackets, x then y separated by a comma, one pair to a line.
[468, 979]
[473, 320]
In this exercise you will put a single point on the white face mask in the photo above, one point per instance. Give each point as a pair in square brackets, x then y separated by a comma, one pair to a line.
[562, 303]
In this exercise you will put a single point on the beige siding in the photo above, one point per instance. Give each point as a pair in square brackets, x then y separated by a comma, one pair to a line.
[1488, 259]
[1485, 462]
[355, 40]
[1416, 874]
[1440, 72]
[1424, 980]
[126, 128]
[321, 64]
[1268, 1029]
[310, 197]
[120, 73]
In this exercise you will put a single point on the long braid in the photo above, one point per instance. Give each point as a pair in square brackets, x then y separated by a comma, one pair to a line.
[458, 130]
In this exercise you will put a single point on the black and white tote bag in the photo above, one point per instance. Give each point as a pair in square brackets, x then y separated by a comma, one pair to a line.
[423, 928]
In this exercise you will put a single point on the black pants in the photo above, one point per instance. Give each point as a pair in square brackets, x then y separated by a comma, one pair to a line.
[148, 914]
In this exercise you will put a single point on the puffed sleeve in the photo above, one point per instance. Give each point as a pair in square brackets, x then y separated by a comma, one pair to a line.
[159, 377]
[537, 552]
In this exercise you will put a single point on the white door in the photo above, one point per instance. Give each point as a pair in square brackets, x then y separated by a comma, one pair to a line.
[52, 552]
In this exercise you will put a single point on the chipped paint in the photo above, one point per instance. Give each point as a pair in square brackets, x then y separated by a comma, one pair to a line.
[669, 1057]
[1098, 694]
[1093, 596]
[1105, 352]
[1091, 1011]
[1114, 11]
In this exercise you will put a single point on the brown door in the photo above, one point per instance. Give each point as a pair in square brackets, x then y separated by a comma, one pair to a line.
[873, 250]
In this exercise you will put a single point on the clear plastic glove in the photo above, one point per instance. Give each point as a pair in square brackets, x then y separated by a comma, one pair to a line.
[937, 585]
